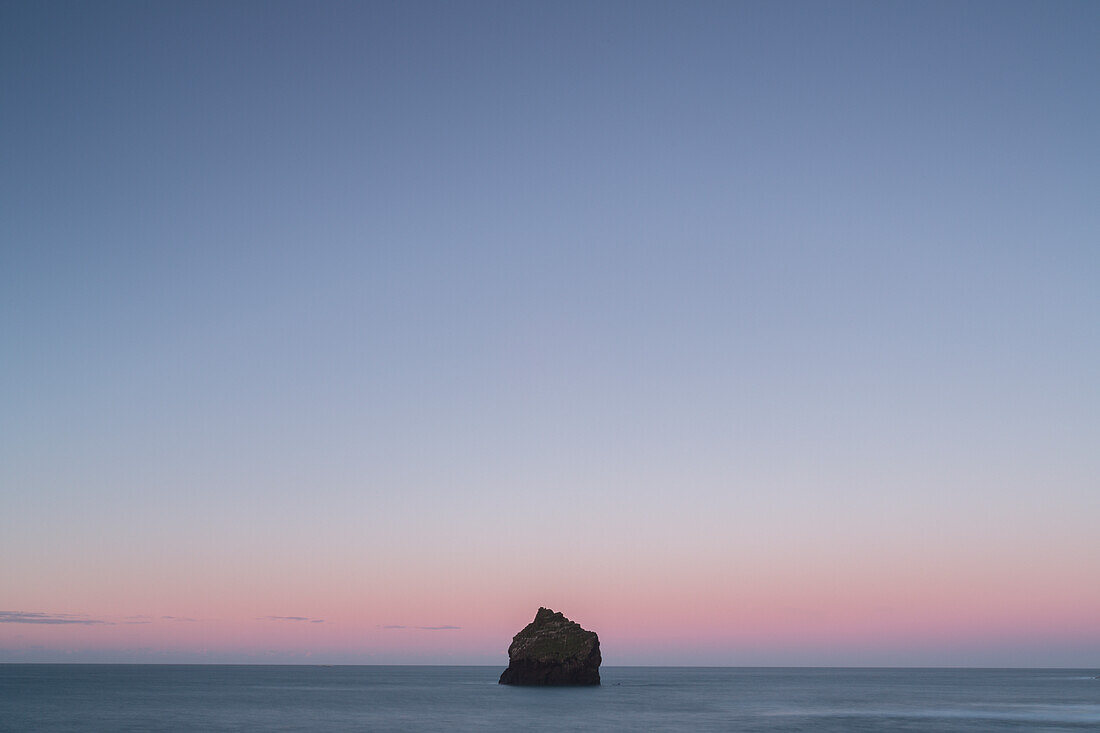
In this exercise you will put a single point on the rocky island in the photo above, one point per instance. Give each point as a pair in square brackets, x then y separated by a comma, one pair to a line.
[552, 650]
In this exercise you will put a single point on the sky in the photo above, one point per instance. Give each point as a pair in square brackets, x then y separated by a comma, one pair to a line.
[741, 333]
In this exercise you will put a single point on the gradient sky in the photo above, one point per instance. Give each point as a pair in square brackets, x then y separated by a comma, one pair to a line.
[743, 333]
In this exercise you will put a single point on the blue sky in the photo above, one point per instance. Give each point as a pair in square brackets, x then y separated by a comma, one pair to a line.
[302, 283]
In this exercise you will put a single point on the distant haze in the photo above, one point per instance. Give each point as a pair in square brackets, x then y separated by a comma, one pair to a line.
[741, 333]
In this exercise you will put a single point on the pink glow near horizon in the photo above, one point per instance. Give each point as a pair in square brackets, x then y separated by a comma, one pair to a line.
[689, 613]
[647, 605]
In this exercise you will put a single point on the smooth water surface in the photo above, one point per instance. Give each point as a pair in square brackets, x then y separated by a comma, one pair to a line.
[298, 698]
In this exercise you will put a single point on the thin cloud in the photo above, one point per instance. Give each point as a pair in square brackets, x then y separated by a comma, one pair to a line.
[179, 618]
[394, 626]
[22, 617]
[292, 618]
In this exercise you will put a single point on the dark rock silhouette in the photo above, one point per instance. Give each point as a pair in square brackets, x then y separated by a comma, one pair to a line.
[552, 650]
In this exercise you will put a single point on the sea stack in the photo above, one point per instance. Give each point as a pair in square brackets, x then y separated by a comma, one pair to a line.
[552, 650]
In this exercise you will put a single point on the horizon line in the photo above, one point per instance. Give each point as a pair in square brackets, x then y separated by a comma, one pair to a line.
[494, 666]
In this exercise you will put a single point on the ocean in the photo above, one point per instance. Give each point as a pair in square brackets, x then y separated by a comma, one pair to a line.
[59, 697]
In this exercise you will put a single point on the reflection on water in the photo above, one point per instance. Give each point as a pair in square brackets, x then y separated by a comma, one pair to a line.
[300, 698]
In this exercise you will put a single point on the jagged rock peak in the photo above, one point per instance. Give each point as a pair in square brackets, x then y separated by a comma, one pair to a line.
[552, 650]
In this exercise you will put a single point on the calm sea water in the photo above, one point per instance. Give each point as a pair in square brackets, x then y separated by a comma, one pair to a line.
[258, 698]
